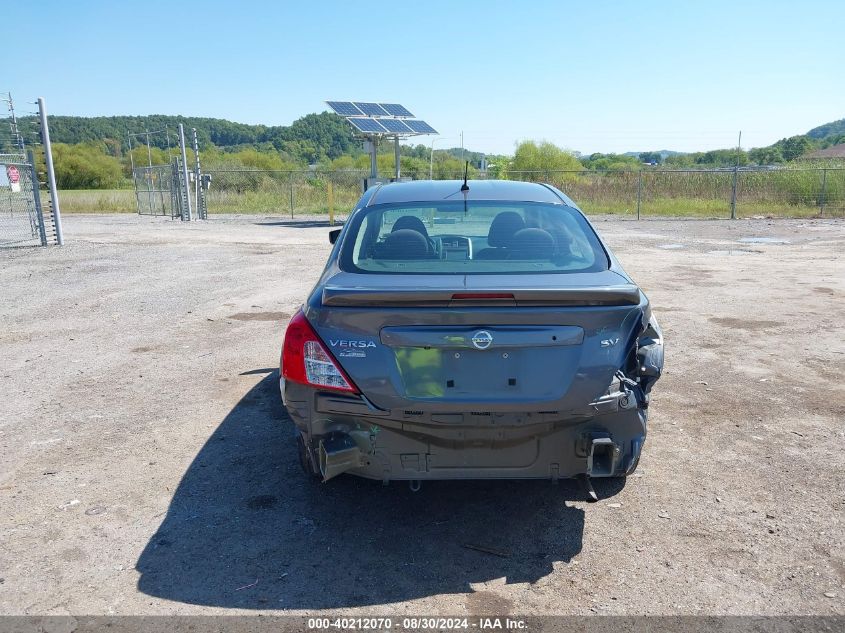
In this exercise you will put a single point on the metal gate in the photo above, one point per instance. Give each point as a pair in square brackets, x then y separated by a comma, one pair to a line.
[162, 190]
[22, 221]
[155, 192]
[173, 190]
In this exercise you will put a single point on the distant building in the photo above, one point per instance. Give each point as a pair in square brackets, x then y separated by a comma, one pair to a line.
[834, 151]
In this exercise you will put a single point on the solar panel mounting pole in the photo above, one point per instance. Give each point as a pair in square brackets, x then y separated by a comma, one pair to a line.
[396, 156]
[373, 157]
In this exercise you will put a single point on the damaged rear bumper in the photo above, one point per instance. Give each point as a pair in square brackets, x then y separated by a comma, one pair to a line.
[347, 434]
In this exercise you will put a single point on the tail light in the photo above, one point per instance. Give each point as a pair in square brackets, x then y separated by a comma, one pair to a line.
[306, 360]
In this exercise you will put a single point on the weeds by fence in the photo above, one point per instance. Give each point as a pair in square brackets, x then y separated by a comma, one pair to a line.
[256, 191]
[654, 192]
[699, 193]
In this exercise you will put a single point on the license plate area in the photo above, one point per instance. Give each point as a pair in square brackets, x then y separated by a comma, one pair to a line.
[471, 373]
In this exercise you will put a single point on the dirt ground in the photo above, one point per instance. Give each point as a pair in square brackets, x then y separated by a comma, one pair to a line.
[147, 465]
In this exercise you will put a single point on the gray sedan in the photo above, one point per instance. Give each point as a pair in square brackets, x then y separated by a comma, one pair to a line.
[469, 332]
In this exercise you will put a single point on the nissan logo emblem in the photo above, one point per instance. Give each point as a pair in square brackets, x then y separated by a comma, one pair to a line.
[482, 339]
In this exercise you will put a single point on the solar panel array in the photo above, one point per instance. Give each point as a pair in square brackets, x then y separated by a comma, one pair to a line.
[364, 124]
[344, 108]
[421, 127]
[380, 118]
[395, 125]
[394, 109]
[372, 109]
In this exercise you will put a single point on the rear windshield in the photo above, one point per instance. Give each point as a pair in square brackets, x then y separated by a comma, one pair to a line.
[472, 238]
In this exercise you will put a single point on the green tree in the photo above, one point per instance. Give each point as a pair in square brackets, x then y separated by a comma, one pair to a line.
[610, 162]
[765, 155]
[86, 166]
[682, 161]
[545, 156]
[795, 147]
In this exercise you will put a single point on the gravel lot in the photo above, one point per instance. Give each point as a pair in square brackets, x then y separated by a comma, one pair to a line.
[147, 465]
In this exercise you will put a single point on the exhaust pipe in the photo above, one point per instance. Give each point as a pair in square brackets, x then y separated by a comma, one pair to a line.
[338, 453]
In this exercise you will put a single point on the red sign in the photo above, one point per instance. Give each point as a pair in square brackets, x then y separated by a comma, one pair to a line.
[14, 174]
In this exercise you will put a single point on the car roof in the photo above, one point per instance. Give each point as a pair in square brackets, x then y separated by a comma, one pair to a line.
[436, 190]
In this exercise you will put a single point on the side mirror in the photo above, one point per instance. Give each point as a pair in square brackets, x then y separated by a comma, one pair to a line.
[333, 235]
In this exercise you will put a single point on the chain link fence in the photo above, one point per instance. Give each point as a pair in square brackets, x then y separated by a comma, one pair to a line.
[801, 192]
[647, 193]
[283, 192]
[721, 193]
[21, 215]
[27, 213]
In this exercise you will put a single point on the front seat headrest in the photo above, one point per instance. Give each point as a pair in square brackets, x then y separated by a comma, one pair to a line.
[503, 227]
[532, 244]
[410, 222]
[405, 244]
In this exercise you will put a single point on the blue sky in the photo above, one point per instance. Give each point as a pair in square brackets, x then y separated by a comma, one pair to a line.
[590, 76]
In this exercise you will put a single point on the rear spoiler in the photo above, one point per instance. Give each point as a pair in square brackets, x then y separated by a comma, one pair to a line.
[622, 295]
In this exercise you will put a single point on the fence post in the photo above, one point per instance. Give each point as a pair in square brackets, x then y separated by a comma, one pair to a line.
[733, 195]
[185, 191]
[331, 203]
[639, 190]
[36, 196]
[197, 205]
[824, 188]
[51, 173]
[291, 196]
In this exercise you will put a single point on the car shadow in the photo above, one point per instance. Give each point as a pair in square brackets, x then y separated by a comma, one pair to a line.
[246, 528]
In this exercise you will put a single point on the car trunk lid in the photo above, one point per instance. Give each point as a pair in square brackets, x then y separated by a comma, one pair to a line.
[455, 343]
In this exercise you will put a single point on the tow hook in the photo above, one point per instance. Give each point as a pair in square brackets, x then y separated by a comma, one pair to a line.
[415, 485]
